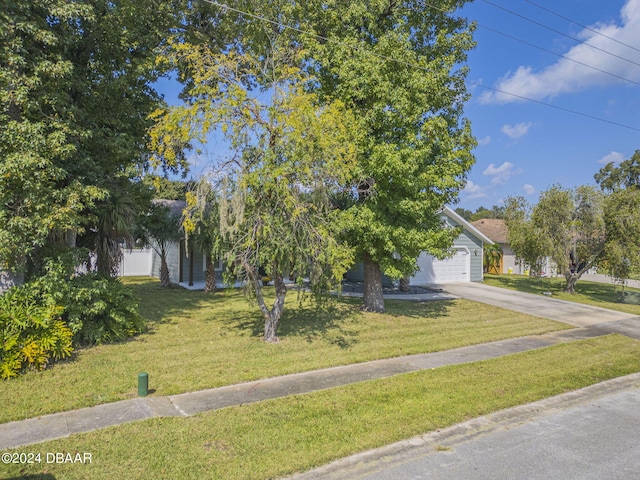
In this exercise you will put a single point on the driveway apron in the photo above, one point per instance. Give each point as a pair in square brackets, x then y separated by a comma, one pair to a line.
[571, 313]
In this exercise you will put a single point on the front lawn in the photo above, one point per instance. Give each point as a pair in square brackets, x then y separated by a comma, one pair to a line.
[277, 437]
[590, 293]
[198, 341]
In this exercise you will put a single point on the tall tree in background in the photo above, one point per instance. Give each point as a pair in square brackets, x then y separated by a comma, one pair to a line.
[566, 225]
[399, 66]
[622, 216]
[612, 178]
[74, 102]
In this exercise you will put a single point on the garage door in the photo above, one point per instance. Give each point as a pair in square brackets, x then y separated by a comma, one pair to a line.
[454, 269]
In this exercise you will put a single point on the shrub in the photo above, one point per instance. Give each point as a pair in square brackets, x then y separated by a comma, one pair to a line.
[31, 334]
[101, 310]
[97, 309]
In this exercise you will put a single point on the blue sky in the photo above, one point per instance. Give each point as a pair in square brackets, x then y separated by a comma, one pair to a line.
[524, 147]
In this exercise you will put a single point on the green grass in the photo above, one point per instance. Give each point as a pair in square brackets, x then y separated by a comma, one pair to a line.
[198, 341]
[274, 438]
[590, 293]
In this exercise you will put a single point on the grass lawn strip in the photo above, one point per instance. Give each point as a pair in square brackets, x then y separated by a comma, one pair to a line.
[602, 295]
[198, 341]
[278, 437]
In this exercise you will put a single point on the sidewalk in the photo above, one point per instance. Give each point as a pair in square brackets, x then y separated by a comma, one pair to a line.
[58, 425]
[592, 322]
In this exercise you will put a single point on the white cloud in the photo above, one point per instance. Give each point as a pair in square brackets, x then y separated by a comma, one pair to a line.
[501, 174]
[529, 189]
[472, 190]
[484, 141]
[567, 76]
[614, 157]
[516, 131]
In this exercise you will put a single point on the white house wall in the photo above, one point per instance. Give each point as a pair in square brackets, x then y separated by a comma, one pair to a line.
[135, 263]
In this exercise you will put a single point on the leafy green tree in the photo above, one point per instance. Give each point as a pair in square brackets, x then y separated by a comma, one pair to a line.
[622, 221]
[612, 178]
[482, 212]
[567, 225]
[464, 213]
[288, 155]
[74, 102]
[399, 66]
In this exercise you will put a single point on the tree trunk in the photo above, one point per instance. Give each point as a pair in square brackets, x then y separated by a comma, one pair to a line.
[572, 279]
[271, 317]
[165, 279]
[210, 276]
[404, 284]
[373, 299]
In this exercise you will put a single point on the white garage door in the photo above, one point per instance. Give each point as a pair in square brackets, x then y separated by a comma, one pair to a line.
[454, 269]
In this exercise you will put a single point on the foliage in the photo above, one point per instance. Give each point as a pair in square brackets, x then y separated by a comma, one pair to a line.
[164, 189]
[95, 308]
[32, 335]
[567, 225]
[74, 102]
[399, 67]
[289, 155]
[492, 255]
[201, 224]
[624, 176]
[157, 229]
[622, 223]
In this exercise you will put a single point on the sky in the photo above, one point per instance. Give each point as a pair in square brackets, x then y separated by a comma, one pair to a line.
[523, 146]
[530, 140]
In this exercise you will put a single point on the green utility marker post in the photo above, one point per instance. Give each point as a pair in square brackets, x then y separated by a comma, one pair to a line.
[143, 384]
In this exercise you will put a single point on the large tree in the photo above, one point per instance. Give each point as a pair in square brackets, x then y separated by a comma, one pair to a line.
[399, 66]
[288, 154]
[74, 102]
[614, 177]
[567, 225]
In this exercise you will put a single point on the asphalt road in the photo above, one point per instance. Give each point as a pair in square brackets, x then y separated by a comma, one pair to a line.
[592, 434]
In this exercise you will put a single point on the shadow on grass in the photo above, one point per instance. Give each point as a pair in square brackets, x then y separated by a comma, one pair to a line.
[334, 322]
[160, 305]
[406, 308]
[42, 476]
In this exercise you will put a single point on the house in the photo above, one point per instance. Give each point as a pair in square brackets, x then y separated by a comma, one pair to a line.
[187, 267]
[464, 266]
[496, 229]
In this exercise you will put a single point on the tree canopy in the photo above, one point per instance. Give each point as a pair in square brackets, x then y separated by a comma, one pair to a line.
[626, 175]
[399, 67]
[288, 155]
[75, 94]
[577, 229]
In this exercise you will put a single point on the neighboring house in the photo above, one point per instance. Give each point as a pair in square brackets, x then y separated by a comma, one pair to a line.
[464, 266]
[496, 229]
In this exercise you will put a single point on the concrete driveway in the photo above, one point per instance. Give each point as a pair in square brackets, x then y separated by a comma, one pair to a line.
[575, 314]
